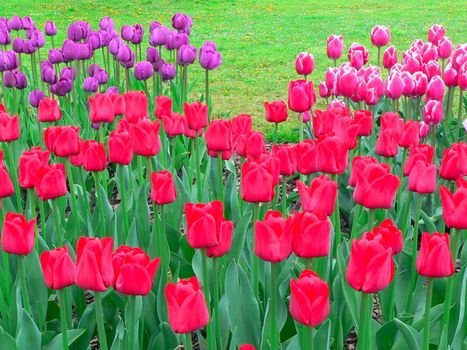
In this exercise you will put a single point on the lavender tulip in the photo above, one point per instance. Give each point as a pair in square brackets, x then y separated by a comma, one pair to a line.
[159, 36]
[21, 81]
[128, 32]
[48, 75]
[104, 38]
[139, 32]
[154, 25]
[43, 64]
[84, 51]
[15, 23]
[168, 72]
[37, 38]
[102, 77]
[62, 87]
[182, 22]
[106, 23]
[3, 22]
[143, 70]
[94, 40]
[112, 90]
[18, 45]
[9, 79]
[35, 96]
[69, 50]
[186, 55]
[28, 23]
[209, 57]
[5, 38]
[152, 55]
[29, 47]
[50, 29]
[55, 56]
[125, 56]
[8, 60]
[114, 46]
[181, 39]
[68, 73]
[90, 84]
[93, 69]
[170, 40]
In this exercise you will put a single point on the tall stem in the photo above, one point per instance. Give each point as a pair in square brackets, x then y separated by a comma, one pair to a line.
[58, 224]
[72, 195]
[355, 221]
[284, 196]
[187, 344]
[100, 204]
[371, 220]
[122, 190]
[100, 321]
[276, 127]
[23, 284]
[307, 338]
[63, 318]
[220, 171]
[199, 194]
[165, 258]
[216, 271]
[336, 216]
[207, 295]
[132, 325]
[379, 55]
[206, 93]
[459, 117]
[274, 271]
[13, 174]
[413, 267]
[364, 331]
[426, 317]
[254, 258]
[455, 243]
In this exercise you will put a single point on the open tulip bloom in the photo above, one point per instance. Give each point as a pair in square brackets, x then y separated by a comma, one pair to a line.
[134, 215]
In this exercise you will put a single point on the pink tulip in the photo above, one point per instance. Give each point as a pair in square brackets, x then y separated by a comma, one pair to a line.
[335, 45]
[347, 81]
[304, 63]
[435, 89]
[450, 76]
[394, 86]
[389, 57]
[421, 83]
[433, 112]
[444, 47]
[324, 91]
[462, 77]
[435, 33]
[380, 36]
[409, 83]
[358, 55]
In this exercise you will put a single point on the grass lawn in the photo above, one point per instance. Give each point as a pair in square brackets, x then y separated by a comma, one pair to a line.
[260, 39]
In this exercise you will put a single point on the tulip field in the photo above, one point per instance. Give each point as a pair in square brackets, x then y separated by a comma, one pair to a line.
[135, 215]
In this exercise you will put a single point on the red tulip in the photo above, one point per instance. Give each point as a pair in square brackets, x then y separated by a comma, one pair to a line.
[196, 114]
[309, 299]
[241, 125]
[454, 207]
[50, 181]
[118, 104]
[175, 124]
[422, 152]
[422, 178]
[259, 180]
[58, 268]
[453, 165]
[49, 110]
[163, 107]
[219, 136]
[247, 347]
[163, 188]
[304, 63]
[133, 270]
[18, 234]
[364, 120]
[331, 155]
[287, 158]
[301, 95]
[136, 105]
[311, 232]
[272, 241]
[376, 187]
[203, 224]
[9, 127]
[94, 158]
[386, 144]
[380, 36]
[358, 164]
[434, 258]
[77, 160]
[306, 157]
[120, 147]
[371, 267]
[145, 136]
[94, 269]
[29, 163]
[101, 108]
[225, 241]
[63, 141]
[334, 46]
[276, 111]
[388, 235]
[6, 186]
[186, 306]
[320, 196]
[410, 135]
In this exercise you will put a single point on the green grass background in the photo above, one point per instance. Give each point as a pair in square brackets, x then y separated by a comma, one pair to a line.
[260, 39]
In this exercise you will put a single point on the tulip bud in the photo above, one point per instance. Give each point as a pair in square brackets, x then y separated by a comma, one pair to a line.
[304, 63]
[380, 36]
[434, 258]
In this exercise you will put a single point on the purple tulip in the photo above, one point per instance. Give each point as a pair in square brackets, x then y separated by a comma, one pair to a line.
[43, 64]
[154, 25]
[137, 38]
[114, 46]
[186, 55]
[78, 31]
[15, 23]
[209, 57]
[112, 90]
[48, 75]
[50, 29]
[5, 38]
[93, 69]
[94, 40]
[68, 73]
[29, 47]
[159, 36]
[128, 32]
[8, 60]
[35, 96]
[209, 44]
[125, 56]
[168, 71]
[55, 56]
[143, 70]
[102, 77]
[84, 51]
[90, 84]
[18, 45]
[17, 79]
[152, 55]
[62, 87]
[4, 22]
[69, 50]
[106, 23]
[170, 40]
[182, 22]
[9, 79]
[37, 38]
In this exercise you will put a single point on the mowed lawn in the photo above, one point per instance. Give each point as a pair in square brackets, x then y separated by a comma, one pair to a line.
[260, 39]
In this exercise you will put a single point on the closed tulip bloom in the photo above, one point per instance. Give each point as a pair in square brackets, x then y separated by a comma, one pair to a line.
[254, 144]
[304, 63]
[376, 187]
[133, 270]
[311, 232]
[49, 110]
[433, 112]
[168, 71]
[77, 160]
[420, 152]
[444, 47]
[241, 125]
[258, 181]
[410, 135]
[186, 306]
[225, 241]
[29, 163]
[219, 136]
[118, 103]
[462, 76]
[334, 46]
[421, 83]
[50, 29]
[364, 120]
[101, 108]
[186, 55]
[196, 114]
[94, 269]
[204, 222]
[450, 76]
[454, 207]
[422, 178]
[58, 268]
[273, 242]
[94, 157]
[380, 36]
[453, 159]
[174, 125]
[358, 164]
[357, 55]
[324, 91]
[145, 136]
[332, 155]
[136, 105]
[163, 189]
[309, 299]
[63, 141]
[394, 86]
[409, 83]
[301, 95]
[435, 89]
[320, 196]
[434, 259]
[276, 111]
[436, 33]
[120, 147]
[306, 157]
[163, 106]
[90, 84]
[35, 97]
[390, 57]
[390, 120]
[287, 158]
[6, 186]
[347, 81]
[50, 181]
[18, 234]
[371, 266]
[387, 234]
[9, 127]
[386, 144]
[143, 70]
[209, 57]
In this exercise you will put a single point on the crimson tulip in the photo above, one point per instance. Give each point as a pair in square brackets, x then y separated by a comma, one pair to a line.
[50, 181]
[101, 108]
[219, 136]
[63, 141]
[9, 127]
[145, 136]
[94, 157]
[29, 163]
[259, 180]
[272, 242]
[387, 234]
[225, 241]
[196, 114]
[454, 207]
[49, 110]
[434, 258]
[301, 95]
[204, 223]
[58, 268]
[18, 234]
[136, 105]
[120, 147]
[358, 164]
[320, 196]
[287, 155]
[311, 234]
[422, 178]
[304, 63]
[163, 107]
[162, 188]
[276, 111]
[422, 152]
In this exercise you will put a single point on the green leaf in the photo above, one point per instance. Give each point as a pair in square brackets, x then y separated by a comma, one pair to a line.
[28, 336]
[7, 342]
[166, 339]
[238, 239]
[322, 337]
[57, 342]
[460, 329]
[349, 294]
[411, 336]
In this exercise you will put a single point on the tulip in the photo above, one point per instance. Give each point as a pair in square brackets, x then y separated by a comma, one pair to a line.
[364, 120]
[50, 181]
[422, 178]
[163, 189]
[145, 136]
[219, 136]
[209, 57]
[386, 144]
[276, 111]
[320, 196]
[380, 36]
[389, 57]
[163, 107]
[49, 110]
[453, 162]
[186, 306]
[287, 158]
[301, 96]
[120, 147]
[358, 164]
[58, 268]
[196, 114]
[174, 125]
[50, 29]
[357, 55]
[204, 223]
[94, 157]
[331, 155]
[18, 234]
[444, 47]
[258, 180]
[334, 45]
[388, 235]
[454, 206]
[304, 63]
[272, 241]
[450, 77]
[311, 232]
[435, 89]
[101, 108]
[133, 270]
[35, 97]
[347, 81]
[433, 112]
[63, 141]
[186, 55]
[9, 127]
[434, 258]
[375, 187]
[29, 163]
[324, 91]
[143, 70]
[136, 105]
[436, 33]
[410, 135]
[254, 144]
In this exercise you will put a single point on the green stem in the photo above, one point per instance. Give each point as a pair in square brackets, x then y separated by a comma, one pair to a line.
[187, 342]
[371, 220]
[165, 259]
[355, 221]
[413, 267]
[220, 171]
[216, 271]
[426, 317]
[274, 272]
[207, 295]
[307, 338]
[284, 196]
[379, 55]
[100, 321]
[389, 312]
[149, 169]
[63, 318]
[122, 190]
[199, 194]
[455, 243]
[364, 324]
[336, 216]
[13, 175]
[132, 325]
[276, 127]
[58, 223]
[72, 195]
[206, 93]
[459, 117]
[23, 284]
[254, 258]
[100, 204]
[140, 170]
